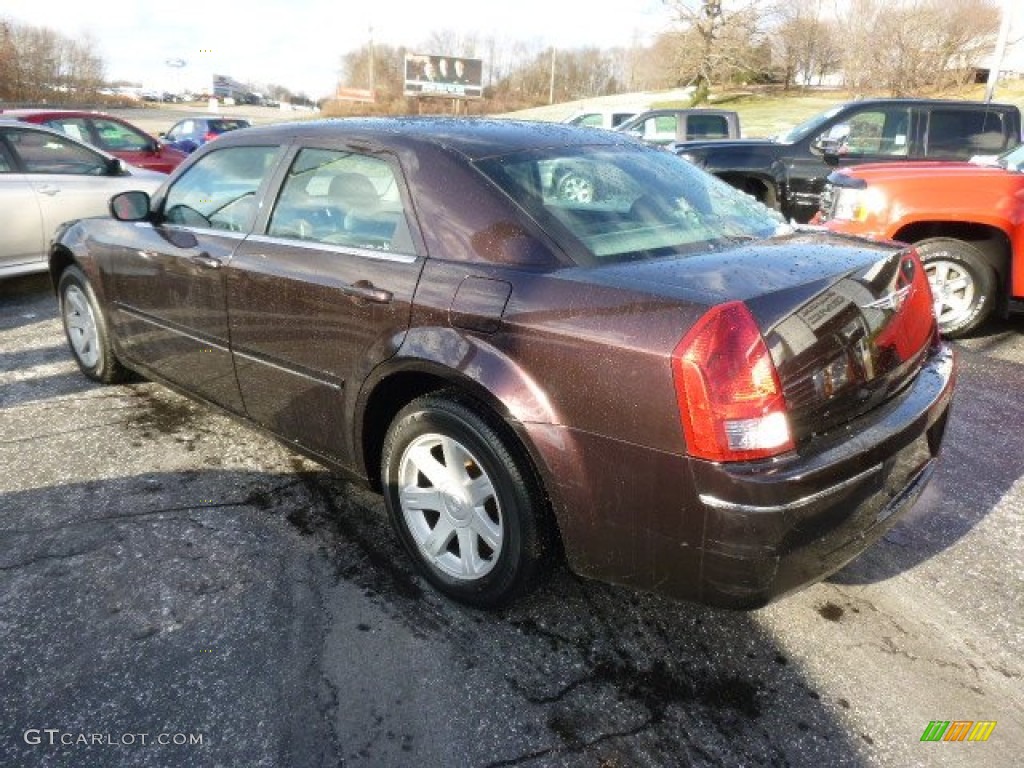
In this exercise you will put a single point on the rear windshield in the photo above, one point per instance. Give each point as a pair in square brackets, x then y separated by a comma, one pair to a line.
[221, 126]
[614, 204]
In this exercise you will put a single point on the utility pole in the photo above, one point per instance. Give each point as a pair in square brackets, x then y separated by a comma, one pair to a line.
[997, 58]
[373, 95]
[551, 87]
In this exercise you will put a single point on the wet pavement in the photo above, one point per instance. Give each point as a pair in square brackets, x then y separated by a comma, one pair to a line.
[176, 589]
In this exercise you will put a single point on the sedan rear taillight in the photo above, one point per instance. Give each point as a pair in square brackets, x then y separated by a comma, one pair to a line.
[730, 399]
[210, 136]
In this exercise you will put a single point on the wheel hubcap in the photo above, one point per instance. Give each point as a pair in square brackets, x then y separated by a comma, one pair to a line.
[81, 326]
[577, 189]
[450, 507]
[953, 290]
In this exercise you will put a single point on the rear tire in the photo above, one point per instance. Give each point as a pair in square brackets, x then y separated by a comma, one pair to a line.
[963, 284]
[463, 502]
[86, 328]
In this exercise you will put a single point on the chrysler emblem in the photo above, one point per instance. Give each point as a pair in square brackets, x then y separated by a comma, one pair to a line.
[892, 301]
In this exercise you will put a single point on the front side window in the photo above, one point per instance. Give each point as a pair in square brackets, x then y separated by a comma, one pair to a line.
[219, 191]
[613, 204]
[591, 120]
[660, 128]
[342, 198]
[871, 132]
[117, 137]
[42, 152]
[184, 128]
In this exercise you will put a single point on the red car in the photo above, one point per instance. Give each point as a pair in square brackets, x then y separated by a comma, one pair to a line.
[966, 219]
[111, 134]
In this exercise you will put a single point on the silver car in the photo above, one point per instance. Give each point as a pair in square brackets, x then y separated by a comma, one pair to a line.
[47, 178]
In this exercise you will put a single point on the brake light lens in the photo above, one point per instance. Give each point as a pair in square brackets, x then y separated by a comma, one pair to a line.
[210, 136]
[730, 400]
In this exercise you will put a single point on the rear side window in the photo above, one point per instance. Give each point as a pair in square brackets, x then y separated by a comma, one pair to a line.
[342, 198]
[707, 127]
[222, 126]
[219, 191]
[961, 133]
[75, 127]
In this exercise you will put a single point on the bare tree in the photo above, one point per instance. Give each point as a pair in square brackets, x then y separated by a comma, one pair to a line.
[804, 41]
[718, 41]
[38, 64]
[907, 46]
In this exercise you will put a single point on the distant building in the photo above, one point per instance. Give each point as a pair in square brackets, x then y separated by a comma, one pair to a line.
[226, 88]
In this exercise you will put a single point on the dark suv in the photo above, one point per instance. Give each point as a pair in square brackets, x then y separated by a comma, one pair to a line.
[789, 171]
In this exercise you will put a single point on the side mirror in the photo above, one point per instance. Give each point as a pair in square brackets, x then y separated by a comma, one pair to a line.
[116, 167]
[130, 206]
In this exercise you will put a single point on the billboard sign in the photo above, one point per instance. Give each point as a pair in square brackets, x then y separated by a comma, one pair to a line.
[445, 76]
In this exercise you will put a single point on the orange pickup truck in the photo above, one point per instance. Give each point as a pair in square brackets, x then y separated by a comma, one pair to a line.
[966, 218]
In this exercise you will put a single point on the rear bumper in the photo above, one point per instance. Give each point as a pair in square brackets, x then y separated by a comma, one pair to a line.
[773, 528]
[741, 535]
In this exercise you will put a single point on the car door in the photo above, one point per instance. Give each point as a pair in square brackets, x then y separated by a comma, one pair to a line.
[60, 180]
[130, 145]
[22, 245]
[167, 285]
[323, 295]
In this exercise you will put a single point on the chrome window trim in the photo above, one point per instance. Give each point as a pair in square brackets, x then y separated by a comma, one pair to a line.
[348, 250]
[230, 234]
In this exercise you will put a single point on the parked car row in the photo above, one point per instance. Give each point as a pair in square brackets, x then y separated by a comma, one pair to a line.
[129, 142]
[788, 172]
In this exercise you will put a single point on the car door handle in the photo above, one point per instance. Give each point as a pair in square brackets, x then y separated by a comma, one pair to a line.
[206, 261]
[46, 189]
[364, 289]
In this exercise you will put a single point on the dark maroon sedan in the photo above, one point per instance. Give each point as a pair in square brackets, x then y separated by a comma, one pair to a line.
[665, 383]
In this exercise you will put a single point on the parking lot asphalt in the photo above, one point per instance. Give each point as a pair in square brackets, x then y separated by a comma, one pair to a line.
[176, 589]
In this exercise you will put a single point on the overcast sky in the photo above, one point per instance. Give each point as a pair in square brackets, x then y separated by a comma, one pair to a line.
[299, 43]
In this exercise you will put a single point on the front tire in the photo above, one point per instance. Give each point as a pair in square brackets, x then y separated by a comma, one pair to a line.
[963, 284]
[86, 328]
[462, 500]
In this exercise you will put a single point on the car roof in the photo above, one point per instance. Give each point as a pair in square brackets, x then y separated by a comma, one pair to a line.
[473, 137]
[32, 112]
[929, 102]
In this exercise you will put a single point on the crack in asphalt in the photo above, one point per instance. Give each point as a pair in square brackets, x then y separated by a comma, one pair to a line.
[63, 433]
[52, 556]
[256, 499]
